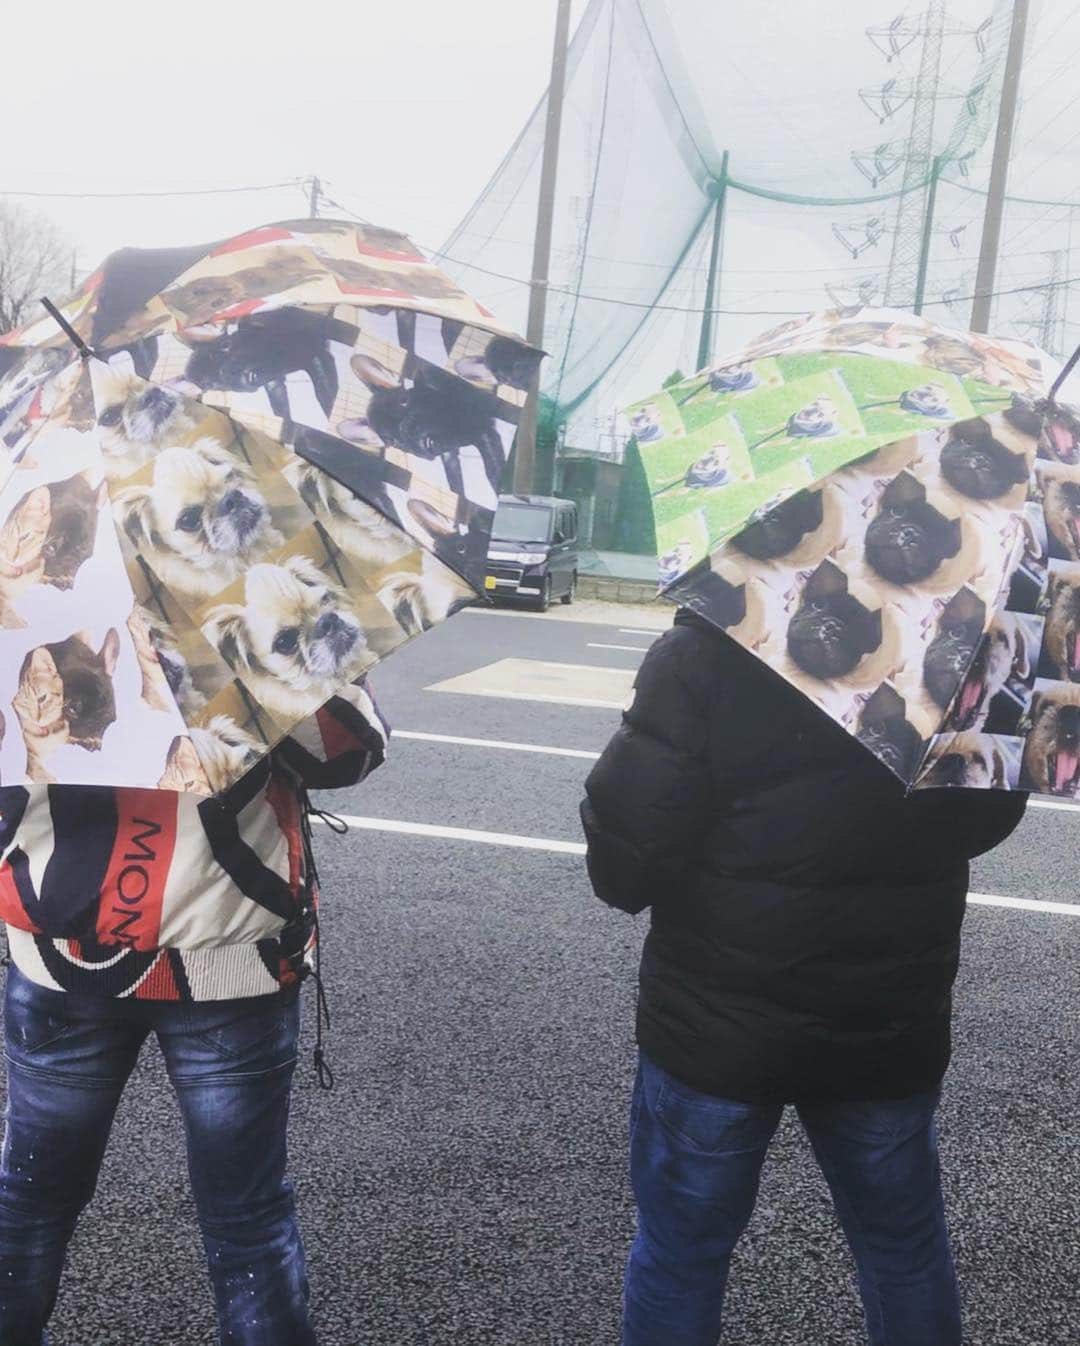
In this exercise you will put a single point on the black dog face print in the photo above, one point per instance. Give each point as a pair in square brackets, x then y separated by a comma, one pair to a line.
[285, 467]
[888, 514]
[932, 609]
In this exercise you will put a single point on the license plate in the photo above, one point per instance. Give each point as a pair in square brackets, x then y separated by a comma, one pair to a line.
[489, 582]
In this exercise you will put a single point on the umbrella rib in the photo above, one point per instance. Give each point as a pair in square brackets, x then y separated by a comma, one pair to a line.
[332, 551]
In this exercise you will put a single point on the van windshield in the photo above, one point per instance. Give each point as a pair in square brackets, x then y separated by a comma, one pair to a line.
[523, 523]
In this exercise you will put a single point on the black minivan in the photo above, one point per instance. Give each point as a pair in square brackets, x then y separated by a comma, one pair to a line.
[533, 552]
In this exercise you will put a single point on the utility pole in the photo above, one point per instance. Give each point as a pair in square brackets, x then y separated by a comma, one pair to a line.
[999, 172]
[316, 192]
[705, 345]
[525, 444]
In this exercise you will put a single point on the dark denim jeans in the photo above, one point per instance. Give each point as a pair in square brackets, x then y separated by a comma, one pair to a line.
[695, 1161]
[231, 1064]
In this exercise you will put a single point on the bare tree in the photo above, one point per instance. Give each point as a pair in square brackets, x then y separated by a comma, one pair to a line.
[35, 260]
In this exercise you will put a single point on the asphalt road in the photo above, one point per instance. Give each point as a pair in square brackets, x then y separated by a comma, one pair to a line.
[465, 1182]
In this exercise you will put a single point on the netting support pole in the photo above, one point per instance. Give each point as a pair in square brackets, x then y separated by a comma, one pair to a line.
[708, 317]
[525, 442]
[928, 232]
[999, 172]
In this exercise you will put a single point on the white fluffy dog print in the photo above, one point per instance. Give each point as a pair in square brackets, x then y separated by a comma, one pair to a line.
[201, 520]
[209, 757]
[136, 420]
[422, 600]
[293, 641]
[163, 668]
[367, 538]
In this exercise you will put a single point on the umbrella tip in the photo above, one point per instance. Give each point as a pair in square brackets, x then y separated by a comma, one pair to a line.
[69, 331]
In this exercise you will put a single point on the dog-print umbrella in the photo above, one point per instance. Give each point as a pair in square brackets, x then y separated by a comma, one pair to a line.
[232, 478]
[888, 514]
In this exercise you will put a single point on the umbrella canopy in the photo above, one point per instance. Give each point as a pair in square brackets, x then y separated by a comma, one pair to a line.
[887, 513]
[250, 472]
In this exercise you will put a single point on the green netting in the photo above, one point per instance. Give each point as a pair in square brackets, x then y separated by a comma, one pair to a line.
[831, 149]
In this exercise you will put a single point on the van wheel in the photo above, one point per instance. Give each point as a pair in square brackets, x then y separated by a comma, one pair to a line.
[571, 593]
[544, 601]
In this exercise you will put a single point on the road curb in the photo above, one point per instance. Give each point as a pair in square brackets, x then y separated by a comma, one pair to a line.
[612, 590]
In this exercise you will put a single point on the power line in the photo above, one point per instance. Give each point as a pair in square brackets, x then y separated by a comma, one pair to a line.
[195, 191]
[514, 280]
[1045, 127]
[1050, 37]
[675, 308]
[727, 312]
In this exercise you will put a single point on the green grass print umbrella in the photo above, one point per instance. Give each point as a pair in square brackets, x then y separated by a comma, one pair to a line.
[887, 513]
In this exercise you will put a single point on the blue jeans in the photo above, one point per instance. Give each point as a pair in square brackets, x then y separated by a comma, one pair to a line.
[695, 1161]
[231, 1065]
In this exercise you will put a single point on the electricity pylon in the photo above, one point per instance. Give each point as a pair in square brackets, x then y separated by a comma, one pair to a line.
[918, 164]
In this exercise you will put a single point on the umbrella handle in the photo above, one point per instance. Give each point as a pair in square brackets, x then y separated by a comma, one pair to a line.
[1069, 367]
[73, 336]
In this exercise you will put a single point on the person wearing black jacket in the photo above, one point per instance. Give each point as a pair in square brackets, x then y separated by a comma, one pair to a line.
[803, 944]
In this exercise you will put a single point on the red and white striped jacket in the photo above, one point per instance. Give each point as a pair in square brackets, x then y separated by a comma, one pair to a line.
[163, 896]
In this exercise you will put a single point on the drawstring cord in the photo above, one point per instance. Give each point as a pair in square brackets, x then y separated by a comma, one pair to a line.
[308, 811]
[323, 1072]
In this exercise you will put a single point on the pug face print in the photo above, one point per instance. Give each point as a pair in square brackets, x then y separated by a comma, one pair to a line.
[978, 465]
[909, 538]
[832, 630]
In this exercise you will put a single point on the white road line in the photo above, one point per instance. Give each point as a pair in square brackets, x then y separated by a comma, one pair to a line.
[577, 668]
[464, 834]
[555, 700]
[633, 649]
[580, 615]
[1026, 904]
[1058, 804]
[494, 743]
[552, 846]
[634, 631]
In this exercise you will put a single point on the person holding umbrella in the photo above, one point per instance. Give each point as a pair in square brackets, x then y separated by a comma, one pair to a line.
[198, 568]
[225, 1011]
[803, 944]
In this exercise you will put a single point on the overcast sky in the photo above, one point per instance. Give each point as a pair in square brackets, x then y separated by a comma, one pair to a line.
[405, 110]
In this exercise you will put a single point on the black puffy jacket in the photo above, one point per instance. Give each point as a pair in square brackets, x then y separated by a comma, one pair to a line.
[805, 912]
